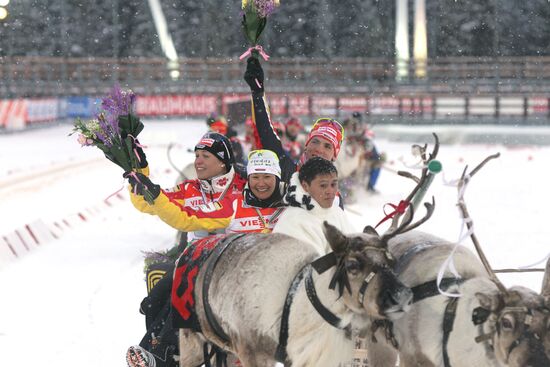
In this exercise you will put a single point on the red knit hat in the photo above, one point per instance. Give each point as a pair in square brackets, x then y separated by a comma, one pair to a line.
[294, 121]
[328, 129]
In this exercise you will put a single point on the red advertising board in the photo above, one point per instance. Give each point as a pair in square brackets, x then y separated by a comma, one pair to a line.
[298, 105]
[538, 105]
[416, 105]
[384, 105]
[323, 105]
[351, 104]
[177, 105]
[278, 104]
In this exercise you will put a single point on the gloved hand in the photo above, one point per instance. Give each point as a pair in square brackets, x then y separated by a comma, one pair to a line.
[254, 75]
[142, 158]
[141, 183]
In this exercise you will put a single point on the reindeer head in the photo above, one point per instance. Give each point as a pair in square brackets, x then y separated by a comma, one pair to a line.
[517, 320]
[542, 319]
[364, 274]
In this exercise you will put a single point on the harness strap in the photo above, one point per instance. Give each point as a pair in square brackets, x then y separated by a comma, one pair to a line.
[429, 289]
[218, 251]
[364, 286]
[280, 354]
[448, 321]
[325, 313]
[221, 356]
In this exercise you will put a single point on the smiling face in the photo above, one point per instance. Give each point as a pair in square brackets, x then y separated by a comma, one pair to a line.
[322, 188]
[262, 185]
[207, 165]
[319, 147]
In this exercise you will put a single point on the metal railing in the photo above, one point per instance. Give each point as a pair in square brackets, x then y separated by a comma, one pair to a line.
[50, 76]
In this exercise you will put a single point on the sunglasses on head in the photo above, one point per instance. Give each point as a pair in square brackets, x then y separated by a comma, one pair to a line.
[335, 124]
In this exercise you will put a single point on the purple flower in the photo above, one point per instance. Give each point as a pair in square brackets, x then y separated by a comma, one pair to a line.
[118, 102]
[265, 8]
[107, 132]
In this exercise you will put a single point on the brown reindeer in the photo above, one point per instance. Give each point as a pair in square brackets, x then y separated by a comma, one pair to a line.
[487, 325]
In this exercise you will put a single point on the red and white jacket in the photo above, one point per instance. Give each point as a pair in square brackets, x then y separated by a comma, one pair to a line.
[250, 219]
[189, 206]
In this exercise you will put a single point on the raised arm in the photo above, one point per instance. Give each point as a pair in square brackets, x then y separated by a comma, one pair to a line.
[209, 217]
[266, 137]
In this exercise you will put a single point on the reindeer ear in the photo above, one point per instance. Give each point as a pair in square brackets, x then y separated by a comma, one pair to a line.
[336, 239]
[370, 230]
[488, 301]
[545, 291]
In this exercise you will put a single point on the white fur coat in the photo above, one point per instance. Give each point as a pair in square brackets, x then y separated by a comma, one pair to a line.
[304, 219]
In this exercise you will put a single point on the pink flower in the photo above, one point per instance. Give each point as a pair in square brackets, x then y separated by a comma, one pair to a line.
[84, 141]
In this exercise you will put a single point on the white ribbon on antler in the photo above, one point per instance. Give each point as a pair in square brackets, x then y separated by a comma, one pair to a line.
[415, 165]
[536, 263]
[465, 232]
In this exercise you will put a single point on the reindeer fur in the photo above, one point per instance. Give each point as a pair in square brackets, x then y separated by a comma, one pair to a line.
[247, 294]
[420, 331]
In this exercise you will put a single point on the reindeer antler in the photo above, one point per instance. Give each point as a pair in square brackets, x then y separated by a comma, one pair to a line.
[464, 179]
[417, 194]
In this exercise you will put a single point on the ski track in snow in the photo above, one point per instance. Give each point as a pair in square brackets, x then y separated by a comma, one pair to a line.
[75, 300]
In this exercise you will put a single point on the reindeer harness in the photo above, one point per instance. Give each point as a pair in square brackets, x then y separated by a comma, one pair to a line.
[306, 274]
[479, 315]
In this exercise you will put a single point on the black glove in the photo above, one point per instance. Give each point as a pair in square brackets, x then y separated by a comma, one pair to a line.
[141, 154]
[254, 75]
[141, 183]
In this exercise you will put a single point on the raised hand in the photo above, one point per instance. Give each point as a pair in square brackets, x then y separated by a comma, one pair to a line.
[142, 185]
[254, 75]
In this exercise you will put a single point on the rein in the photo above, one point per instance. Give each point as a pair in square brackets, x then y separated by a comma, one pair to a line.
[216, 255]
[430, 289]
[339, 279]
[320, 265]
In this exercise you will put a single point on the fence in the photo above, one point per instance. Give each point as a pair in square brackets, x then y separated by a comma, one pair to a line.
[49, 76]
[404, 109]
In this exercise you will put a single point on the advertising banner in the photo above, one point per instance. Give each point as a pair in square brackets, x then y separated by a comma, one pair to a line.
[13, 113]
[176, 105]
[42, 110]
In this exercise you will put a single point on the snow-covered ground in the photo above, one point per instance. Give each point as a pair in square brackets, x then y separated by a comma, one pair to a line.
[74, 300]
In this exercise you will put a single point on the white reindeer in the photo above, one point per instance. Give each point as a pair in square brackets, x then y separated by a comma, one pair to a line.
[541, 320]
[488, 325]
[249, 285]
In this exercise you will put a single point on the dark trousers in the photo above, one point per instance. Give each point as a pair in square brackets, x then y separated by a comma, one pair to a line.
[161, 338]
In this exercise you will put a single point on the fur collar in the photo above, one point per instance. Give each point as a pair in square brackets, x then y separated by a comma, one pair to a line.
[217, 184]
[297, 197]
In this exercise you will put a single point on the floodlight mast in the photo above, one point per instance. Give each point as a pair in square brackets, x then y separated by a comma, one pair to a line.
[166, 43]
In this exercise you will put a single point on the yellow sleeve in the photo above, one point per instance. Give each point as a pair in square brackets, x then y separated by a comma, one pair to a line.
[138, 200]
[214, 216]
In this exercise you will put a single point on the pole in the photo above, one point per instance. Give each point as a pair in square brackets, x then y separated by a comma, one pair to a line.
[401, 39]
[116, 41]
[420, 39]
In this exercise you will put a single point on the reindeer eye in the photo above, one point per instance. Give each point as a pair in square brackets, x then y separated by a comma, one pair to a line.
[353, 266]
[507, 323]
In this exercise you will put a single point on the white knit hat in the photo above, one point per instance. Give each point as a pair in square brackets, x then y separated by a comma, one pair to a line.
[263, 161]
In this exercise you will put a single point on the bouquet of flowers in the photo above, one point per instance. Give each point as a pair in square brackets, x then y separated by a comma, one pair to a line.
[114, 130]
[255, 13]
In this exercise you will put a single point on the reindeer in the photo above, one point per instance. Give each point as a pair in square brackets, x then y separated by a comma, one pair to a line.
[541, 319]
[268, 295]
[487, 325]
